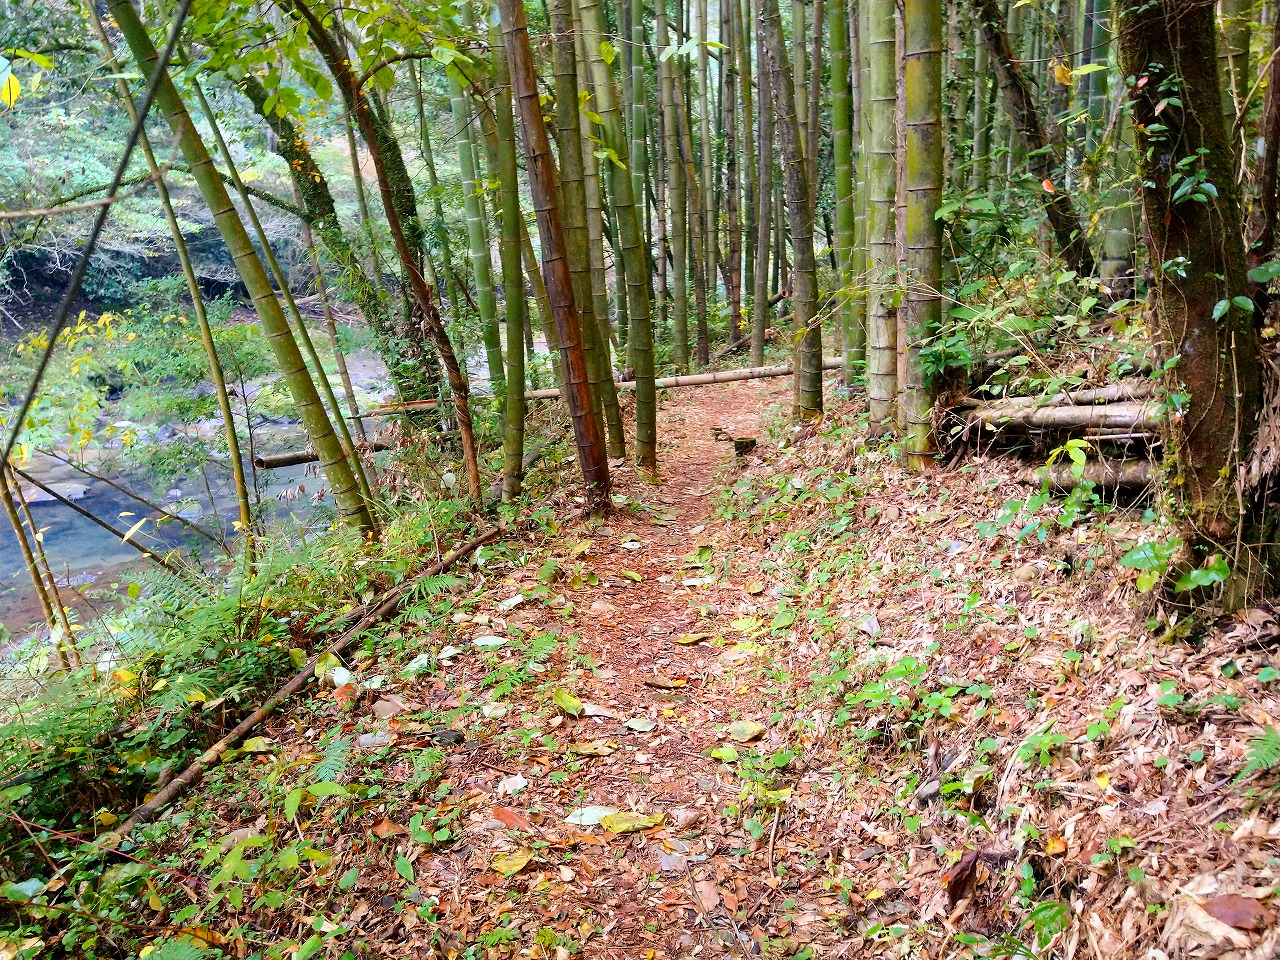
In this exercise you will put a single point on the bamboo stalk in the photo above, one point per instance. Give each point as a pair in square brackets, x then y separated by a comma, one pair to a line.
[1130, 415]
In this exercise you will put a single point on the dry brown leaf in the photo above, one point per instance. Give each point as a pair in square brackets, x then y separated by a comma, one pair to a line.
[387, 828]
[513, 819]
[1237, 911]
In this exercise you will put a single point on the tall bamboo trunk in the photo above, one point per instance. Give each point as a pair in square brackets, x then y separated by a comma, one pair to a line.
[574, 194]
[592, 457]
[807, 400]
[881, 142]
[708, 254]
[438, 227]
[399, 205]
[842, 150]
[925, 174]
[38, 583]
[742, 15]
[216, 373]
[512, 275]
[764, 208]
[337, 468]
[676, 192]
[733, 273]
[630, 238]
[477, 234]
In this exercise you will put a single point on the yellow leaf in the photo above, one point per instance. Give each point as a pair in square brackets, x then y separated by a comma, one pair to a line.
[106, 818]
[155, 903]
[689, 639]
[744, 731]
[509, 864]
[197, 696]
[593, 748]
[9, 91]
[630, 821]
[1055, 846]
[123, 676]
[1062, 73]
[1103, 780]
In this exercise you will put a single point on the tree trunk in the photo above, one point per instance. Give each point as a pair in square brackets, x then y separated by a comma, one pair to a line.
[882, 322]
[842, 149]
[512, 277]
[477, 234]
[630, 238]
[555, 263]
[676, 191]
[400, 207]
[337, 469]
[924, 231]
[764, 208]
[1201, 310]
[807, 403]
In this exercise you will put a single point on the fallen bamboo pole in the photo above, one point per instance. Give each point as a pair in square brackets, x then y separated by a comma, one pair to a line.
[665, 383]
[1112, 393]
[1111, 474]
[193, 774]
[1128, 415]
[292, 458]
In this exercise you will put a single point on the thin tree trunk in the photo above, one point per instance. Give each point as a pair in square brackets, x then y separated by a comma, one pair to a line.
[629, 232]
[38, 583]
[542, 182]
[882, 323]
[512, 275]
[813, 135]
[216, 373]
[676, 191]
[807, 403]
[925, 174]
[400, 209]
[709, 252]
[573, 189]
[352, 506]
[842, 150]
[764, 208]
[477, 235]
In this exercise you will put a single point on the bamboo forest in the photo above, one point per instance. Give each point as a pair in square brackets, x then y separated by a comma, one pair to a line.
[639, 479]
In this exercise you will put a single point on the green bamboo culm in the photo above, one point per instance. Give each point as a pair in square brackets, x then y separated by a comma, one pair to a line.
[477, 235]
[604, 392]
[512, 272]
[852, 338]
[630, 237]
[925, 174]
[879, 143]
[676, 192]
[352, 506]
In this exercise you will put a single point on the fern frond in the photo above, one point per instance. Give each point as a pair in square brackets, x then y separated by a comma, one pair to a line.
[334, 762]
[1263, 752]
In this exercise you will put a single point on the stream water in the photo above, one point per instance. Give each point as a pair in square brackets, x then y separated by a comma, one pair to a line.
[91, 562]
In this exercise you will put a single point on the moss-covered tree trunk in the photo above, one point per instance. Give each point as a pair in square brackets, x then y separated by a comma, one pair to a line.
[1200, 305]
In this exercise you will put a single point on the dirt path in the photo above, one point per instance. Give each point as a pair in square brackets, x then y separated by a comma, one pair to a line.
[669, 890]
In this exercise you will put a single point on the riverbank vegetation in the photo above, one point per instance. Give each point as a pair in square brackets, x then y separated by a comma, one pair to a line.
[641, 479]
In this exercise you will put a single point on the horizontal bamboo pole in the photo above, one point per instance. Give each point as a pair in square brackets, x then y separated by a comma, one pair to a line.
[1103, 473]
[292, 458]
[1128, 415]
[664, 383]
[1112, 393]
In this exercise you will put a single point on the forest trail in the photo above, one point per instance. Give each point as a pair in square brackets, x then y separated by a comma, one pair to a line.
[667, 891]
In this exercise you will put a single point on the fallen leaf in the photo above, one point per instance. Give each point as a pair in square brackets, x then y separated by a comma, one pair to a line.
[959, 877]
[387, 828]
[567, 702]
[640, 724]
[755, 587]
[1055, 846]
[744, 731]
[1237, 911]
[662, 683]
[689, 639]
[630, 821]
[509, 864]
[510, 786]
[512, 819]
[589, 816]
[708, 894]
[593, 748]
[631, 575]
[595, 710]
